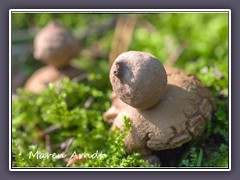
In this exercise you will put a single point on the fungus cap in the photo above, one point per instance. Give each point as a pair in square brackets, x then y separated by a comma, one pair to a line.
[138, 78]
[55, 45]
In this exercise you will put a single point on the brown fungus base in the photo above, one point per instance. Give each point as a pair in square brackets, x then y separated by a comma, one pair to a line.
[39, 81]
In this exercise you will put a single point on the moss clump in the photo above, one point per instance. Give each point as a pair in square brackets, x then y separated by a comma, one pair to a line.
[62, 106]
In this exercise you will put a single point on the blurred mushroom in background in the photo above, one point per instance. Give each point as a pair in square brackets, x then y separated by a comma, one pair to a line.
[55, 46]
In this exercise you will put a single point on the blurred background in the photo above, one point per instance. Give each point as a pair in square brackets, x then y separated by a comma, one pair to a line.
[192, 41]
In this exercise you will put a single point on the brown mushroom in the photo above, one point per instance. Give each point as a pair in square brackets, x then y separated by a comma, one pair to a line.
[180, 116]
[55, 46]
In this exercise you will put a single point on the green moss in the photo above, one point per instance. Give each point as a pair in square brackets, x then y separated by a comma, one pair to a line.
[219, 158]
[62, 105]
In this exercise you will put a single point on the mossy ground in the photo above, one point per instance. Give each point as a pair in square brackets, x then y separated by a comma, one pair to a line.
[61, 106]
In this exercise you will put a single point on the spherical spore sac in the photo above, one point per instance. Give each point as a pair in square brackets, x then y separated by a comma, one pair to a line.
[138, 78]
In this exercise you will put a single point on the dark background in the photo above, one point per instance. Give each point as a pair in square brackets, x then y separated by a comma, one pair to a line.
[167, 4]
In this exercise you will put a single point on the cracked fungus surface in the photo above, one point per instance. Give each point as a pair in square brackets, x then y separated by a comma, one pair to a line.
[180, 116]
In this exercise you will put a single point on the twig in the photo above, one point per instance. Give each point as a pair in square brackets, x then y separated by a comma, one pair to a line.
[49, 130]
[76, 159]
[174, 57]
[66, 146]
[148, 26]
[122, 36]
[52, 128]
[79, 78]
[89, 102]
[48, 144]
[69, 144]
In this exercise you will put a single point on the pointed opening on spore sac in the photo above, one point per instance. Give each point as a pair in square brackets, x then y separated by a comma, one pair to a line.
[118, 71]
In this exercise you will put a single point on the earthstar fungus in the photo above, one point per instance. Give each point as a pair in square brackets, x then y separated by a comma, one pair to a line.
[166, 108]
[55, 46]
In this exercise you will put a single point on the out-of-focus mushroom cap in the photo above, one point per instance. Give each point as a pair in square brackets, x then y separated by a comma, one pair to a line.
[55, 45]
